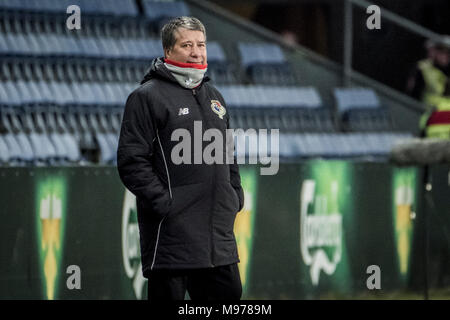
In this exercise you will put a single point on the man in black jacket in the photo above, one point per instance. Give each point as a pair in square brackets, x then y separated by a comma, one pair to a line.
[186, 209]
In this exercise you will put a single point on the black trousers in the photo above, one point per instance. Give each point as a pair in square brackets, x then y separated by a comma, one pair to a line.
[211, 284]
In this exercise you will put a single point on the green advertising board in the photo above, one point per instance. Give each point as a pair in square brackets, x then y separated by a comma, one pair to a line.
[50, 228]
[244, 225]
[404, 206]
[326, 208]
[312, 231]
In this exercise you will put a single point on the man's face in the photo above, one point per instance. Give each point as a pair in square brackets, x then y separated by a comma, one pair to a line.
[190, 47]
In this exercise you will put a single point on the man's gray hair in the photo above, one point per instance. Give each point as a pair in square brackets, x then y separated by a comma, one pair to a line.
[168, 30]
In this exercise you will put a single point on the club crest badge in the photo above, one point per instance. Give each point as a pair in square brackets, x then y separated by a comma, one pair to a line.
[218, 108]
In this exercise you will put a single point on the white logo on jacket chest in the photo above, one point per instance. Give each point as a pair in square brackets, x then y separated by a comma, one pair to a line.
[183, 111]
[218, 108]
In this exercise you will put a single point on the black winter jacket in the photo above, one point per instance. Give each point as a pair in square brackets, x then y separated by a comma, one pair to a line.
[186, 212]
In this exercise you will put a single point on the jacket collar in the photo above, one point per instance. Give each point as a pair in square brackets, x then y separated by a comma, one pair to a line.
[160, 71]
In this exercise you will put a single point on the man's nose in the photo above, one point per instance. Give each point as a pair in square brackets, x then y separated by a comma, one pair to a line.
[195, 52]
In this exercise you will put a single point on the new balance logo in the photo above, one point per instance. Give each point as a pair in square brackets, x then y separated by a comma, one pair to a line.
[183, 111]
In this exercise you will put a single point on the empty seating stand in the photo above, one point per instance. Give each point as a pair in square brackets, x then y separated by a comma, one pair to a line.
[265, 63]
[220, 70]
[61, 113]
[99, 39]
[367, 146]
[62, 92]
[105, 7]
[360, 110]
[159, 12]
[290, 109]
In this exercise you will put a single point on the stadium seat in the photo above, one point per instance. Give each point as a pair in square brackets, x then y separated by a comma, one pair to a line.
[105, 7]
[367, 120]
[18, 143]
[360, 110]
[4, 46]
[159, 12]
[23, 151]
[265, 63]
[4, 153]
[294, 109]
[355, 98]
[220, 70]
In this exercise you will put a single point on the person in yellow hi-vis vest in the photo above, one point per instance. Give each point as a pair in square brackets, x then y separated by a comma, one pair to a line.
[431, 85]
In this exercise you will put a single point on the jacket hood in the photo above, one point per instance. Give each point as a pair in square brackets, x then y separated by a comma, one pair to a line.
[159, 70]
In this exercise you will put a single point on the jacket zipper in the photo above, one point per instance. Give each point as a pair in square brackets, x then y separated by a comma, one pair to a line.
[194, 93]
[170, 193]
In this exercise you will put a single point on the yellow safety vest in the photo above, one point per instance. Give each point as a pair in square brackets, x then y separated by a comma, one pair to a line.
[433, 96]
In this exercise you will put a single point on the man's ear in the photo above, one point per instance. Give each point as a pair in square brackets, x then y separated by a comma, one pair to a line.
[166, 53]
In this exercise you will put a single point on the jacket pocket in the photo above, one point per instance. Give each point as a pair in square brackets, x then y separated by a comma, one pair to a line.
[236, 197]
[185, 197]
[187, 220]
[159, 208]
[226, 206]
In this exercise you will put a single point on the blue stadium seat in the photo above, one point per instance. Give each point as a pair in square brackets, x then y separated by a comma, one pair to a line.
[339, 145]
[72, 149]
[219, 69]
[52, 131]
[33, 43]
[12, 93]
[4, 153]
[113, 140]
[59, 145]
[14, 4]
[4, 46]
[107, 154]
[104, 7]
[81, 93]
[132, 48]
[46, 94]
[43, 149]
[271, 96]
[74, 46]
[352, 98]
[216, 53]
[4, 98]
[287, 148]
[13, 46]
[44, 45]
[13, 147]
[125, 7]
[62, 93]
[25, 95]
[97, 92]
[265, 63]
[157, 10]
[21, 146]
[18, 144]
[359, 120]
[288, 108]
[360, 110]
[112, 95]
